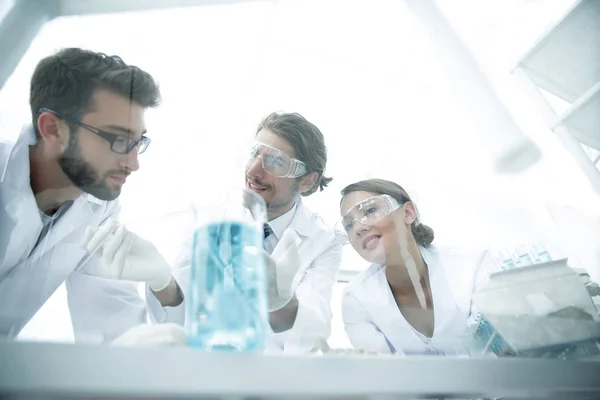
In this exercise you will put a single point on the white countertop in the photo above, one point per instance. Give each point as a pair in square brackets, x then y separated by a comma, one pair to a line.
[46, 370]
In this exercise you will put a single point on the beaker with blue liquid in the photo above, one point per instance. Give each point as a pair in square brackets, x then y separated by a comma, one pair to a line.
[227, 302]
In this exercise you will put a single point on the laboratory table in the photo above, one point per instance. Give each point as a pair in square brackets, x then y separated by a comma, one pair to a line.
[69, 371]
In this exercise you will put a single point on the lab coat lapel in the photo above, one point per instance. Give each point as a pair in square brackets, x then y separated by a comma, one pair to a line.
[380, 304]
[22, 213]
[80, 214]
[60, 247]
[313, 239]
[450, 320]
[16, 168]
[18, 202]
[444, 305]
[451, 299]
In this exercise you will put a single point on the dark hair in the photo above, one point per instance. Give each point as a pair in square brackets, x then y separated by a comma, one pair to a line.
[307, 141]
[64, 82]
[422, 233]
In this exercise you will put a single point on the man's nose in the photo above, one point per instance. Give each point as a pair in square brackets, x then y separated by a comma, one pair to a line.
[130, 161]
[255, 168]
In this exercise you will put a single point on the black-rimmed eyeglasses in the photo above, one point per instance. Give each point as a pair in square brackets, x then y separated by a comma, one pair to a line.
[118, 143]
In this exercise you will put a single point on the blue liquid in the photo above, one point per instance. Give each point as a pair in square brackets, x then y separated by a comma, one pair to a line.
[542, 253]
[227, 304]
[484, 333]
[545, 256]
[525, 259]
[509, 263]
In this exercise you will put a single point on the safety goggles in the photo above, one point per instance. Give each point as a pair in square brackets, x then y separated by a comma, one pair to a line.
[368, 212]
[275, 162]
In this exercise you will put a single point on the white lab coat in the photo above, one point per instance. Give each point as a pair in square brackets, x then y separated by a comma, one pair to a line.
[373, 321]
[321, 253]
[100, 308]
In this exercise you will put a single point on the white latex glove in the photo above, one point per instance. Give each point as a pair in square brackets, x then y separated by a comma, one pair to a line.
[281, 268]
[152, 335]
[126, 256]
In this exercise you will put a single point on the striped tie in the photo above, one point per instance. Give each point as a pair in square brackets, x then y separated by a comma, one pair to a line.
[267, 230]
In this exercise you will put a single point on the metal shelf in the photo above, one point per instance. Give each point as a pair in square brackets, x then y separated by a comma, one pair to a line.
[583, 117]
[556, 63]
[566, 63]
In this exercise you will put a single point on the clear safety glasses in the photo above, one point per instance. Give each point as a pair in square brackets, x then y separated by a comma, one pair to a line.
[275, 162]
[368, 212]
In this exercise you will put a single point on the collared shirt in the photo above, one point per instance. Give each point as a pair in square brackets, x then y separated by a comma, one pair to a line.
[48, 221]
[278, 226]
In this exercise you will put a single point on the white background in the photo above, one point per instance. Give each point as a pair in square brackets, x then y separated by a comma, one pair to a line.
[359, 71]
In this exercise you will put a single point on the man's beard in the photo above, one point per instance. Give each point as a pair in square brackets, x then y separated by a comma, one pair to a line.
[284, 203]
[83, 175]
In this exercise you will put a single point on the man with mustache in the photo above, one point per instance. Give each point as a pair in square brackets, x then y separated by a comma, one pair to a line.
[286, 162]
[63, 174]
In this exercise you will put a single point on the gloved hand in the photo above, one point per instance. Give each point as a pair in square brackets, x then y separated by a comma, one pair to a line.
[152, 335]
[281, 268]
[126, 256]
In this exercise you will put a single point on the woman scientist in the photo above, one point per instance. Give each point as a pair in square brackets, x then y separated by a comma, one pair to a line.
[415, 298]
